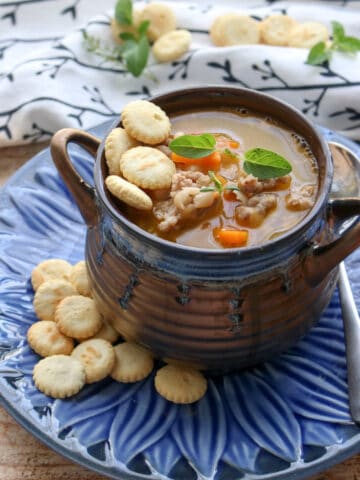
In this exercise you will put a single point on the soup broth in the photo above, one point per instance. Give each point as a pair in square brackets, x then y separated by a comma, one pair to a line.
[235, 133]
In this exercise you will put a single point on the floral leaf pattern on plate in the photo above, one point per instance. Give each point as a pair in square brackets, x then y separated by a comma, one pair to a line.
[163, 455]
[141, 421]
[193, 423]
[273, 427]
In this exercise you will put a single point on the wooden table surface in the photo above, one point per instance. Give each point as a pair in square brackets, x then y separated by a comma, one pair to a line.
[22, 457]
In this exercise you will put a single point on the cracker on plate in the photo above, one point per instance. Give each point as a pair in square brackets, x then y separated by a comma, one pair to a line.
[49, 295]
[180, 384]
[107, 332]
[45, 339]
[132, 363]
[59, 376]
[78, 317]
[97, 356]
[79, 278]
[51, 269]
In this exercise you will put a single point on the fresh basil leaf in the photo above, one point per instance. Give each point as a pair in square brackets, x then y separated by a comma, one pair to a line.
[123, 12]
[318, 54]
[127, 36]
[348, 44]
[135, 54]
[265, 164]
[143, 27]
[193, 146]
[337, 31]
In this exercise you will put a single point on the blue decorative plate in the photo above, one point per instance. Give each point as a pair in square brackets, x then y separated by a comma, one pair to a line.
[286, 418]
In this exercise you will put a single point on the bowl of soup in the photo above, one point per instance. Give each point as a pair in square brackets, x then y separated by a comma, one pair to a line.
[229, 262]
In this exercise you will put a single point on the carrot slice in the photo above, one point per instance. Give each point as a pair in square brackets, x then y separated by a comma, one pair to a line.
[210, 162]
[232, 238]
[180, 159]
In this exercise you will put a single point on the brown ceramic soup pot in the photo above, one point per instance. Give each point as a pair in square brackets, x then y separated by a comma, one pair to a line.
[216, 310]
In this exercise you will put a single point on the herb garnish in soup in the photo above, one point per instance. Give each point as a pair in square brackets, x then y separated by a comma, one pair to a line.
[215, 180]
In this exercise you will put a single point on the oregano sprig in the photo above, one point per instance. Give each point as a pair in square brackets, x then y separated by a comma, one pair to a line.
[321, 52]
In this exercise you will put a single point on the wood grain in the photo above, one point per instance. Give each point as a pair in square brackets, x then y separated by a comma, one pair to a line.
[22, 456]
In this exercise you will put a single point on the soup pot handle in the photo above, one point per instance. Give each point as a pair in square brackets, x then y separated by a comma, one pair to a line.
[83, 193]
[325, 257]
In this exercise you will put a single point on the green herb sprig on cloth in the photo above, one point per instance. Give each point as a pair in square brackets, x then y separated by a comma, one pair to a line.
[341, 42]
[133, 53]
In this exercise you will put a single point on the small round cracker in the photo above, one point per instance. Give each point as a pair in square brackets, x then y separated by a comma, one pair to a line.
[52, 269]
[79, 278]
[234, 29]
[49, 295]
[161, 17]
[78, 317]
[97, 356]
[116, 143]
[107, 332]
[59, 376]
[45, 339]
[180, 384]
[171, 45]
[148, 168]
[132, 363]
[146, 122]
[275, 29]
[307, 34]
[128, 193]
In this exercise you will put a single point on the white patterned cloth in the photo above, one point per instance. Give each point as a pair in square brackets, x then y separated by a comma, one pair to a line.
[48, 80]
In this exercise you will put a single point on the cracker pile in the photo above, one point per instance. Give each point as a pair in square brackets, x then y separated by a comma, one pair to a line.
[137, 168]
[168, 43]
[77, 346]
[281, 30]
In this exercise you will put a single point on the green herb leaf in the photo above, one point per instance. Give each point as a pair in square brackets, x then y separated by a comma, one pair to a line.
[319, 54]
[338, 31]
[265, 164]
[143, 27]
[136, 54]
[230, 153]
[123, 12]
[218, 185]
[193, 146]
[127, 36]
[348, 44]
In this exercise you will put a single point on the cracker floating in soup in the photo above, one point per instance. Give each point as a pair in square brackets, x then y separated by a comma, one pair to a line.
[239, 179]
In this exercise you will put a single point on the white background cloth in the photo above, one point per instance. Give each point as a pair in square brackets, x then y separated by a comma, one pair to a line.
[48, 80]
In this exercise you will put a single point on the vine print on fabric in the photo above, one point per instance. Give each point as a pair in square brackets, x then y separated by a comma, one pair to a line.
[48, 80]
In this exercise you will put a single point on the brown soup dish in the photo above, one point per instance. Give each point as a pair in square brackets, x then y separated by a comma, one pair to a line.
[174, 281]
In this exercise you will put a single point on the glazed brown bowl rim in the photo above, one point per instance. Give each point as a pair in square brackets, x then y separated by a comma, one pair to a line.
[320, 203]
